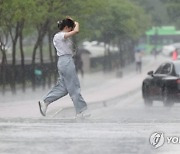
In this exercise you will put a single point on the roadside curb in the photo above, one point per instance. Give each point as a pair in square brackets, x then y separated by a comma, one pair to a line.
[103, 103]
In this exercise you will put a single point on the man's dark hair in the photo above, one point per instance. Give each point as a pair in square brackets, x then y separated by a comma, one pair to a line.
[66, 22]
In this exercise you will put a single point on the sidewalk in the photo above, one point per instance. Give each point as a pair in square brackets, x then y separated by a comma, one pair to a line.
[96, 88]
[110, 86]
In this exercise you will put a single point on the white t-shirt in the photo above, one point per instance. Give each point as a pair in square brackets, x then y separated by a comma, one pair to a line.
[62, 45]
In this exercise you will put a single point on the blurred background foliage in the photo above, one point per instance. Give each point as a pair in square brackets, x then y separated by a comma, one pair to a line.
[27, 27]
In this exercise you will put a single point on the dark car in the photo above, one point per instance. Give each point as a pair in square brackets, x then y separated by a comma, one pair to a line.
[163, 84]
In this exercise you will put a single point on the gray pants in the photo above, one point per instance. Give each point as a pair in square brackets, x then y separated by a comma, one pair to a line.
[68, 83]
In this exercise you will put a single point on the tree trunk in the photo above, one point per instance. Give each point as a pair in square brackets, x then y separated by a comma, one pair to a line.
[109, 57]
[33, 62]
[22, 58]
[14, 43]
[41, 52]
[51, 57]
[50, 46]
[42, 30]
[105, 58]
[3, 70]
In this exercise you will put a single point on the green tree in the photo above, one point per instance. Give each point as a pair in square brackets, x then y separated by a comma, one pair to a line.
[123, 22]
[173, 9]
[111, 21]
[12, 19]
[156, 9]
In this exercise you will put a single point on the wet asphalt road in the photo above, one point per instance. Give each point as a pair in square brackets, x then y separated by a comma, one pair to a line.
[119, 127]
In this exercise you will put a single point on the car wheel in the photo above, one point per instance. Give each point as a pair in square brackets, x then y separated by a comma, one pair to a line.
[147, 100]
[167, 100]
